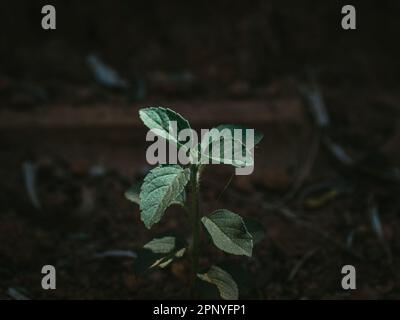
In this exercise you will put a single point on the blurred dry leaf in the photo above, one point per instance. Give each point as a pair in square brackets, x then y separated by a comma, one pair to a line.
[29, 173]
[17, 294]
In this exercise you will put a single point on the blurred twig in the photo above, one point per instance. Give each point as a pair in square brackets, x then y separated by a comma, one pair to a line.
[300, 263]
[226, 186]
[303, 173]
[291, 216]
[319, 113]
[374, 216]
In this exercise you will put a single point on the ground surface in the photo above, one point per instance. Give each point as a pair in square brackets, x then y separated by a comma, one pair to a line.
[221, 63]
[300, 257]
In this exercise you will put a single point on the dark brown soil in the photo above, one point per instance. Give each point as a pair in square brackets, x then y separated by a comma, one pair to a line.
[252, 55]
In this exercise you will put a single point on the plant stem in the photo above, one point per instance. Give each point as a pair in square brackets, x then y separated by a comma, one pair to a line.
[195, 226]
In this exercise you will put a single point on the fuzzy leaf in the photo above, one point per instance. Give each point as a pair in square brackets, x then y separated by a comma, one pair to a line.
[220, 145]
[257, 134]
[158, 120]
[227, 287]
[133, 194]
[159, 252]
[161, 245]
[159, 190]
[180, 199]
[228, 232]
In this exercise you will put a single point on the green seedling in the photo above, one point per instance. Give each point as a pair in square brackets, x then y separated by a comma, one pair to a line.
[170, 184]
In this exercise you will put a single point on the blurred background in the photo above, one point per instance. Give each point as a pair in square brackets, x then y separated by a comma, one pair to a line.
[327, 173]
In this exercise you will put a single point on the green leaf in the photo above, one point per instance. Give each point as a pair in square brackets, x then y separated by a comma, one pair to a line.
[227, 287]
[159, 190]
[159, 252]
[255, 228]
[229, 232]
[235, 152]
[133, 194]
[158, 120]
[180, 199]
[161, 245]
[221, 145]
[257, 134]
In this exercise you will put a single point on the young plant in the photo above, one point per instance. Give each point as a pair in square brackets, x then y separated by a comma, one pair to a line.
[166, 185]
